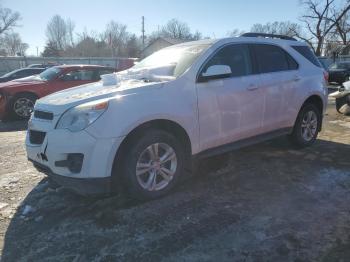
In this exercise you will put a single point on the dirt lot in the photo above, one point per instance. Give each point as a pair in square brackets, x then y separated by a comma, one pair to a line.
[262, 203]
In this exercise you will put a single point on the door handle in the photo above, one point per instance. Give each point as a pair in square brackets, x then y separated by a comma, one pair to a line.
[252, 87]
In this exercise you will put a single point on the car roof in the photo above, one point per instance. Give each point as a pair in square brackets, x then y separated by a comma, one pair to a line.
[27, 69]
[83, 66]
[243, 39]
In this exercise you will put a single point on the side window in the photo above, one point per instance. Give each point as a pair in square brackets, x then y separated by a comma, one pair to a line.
[292, 64]
[79, 75]
[237, 57]
[23, 73]
[306, 52]
[272, 58]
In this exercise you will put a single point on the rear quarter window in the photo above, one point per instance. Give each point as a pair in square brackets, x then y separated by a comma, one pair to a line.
[272, 58]
[306, 52]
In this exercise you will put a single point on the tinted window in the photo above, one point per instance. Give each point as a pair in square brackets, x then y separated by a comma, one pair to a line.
[340, 66]
[237, 57]
[50, 73]
[79, 75]
[37, 70]
[271, 58]
[23, 73]
[292, 64]
[306, 52]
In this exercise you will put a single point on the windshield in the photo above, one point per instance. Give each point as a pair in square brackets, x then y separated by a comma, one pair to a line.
[50, 73]
[182, 57]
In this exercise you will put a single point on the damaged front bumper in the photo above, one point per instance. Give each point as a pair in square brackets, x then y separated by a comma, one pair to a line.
[86, 187]
[76, 160]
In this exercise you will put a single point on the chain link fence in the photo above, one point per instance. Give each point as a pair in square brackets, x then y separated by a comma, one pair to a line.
[8, 64]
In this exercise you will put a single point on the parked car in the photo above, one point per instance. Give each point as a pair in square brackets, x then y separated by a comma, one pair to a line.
[17, 98]
[339, 72]
[20, 73]
[342, 98]
[141, 128]
[48, 65]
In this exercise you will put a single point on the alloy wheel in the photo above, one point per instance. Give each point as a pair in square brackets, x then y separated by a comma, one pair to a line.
[23, 107]
[156, 167]
[309, 126]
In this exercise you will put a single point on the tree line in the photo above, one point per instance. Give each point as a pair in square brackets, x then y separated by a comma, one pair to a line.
[324, 25]
[115, 40]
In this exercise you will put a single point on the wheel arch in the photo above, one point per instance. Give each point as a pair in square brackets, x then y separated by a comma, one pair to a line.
[170, 126]
[317, 101]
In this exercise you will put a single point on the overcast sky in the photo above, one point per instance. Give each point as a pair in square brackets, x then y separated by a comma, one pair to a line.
[212, 18]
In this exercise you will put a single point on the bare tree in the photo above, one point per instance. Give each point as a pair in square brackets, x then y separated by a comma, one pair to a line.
[235, 32]
[13, 44]
[57, 32]
[51, 50]
[317, 19]
[280, 28]
[342, 27]
[70, 31]
[176, 29]
[116, 36]
[8, 19]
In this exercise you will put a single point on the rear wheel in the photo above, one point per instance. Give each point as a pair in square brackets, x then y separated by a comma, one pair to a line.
[153, 165]
[306, 126]
[22, 106]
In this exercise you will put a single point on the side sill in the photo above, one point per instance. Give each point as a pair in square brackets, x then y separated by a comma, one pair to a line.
[243, 143]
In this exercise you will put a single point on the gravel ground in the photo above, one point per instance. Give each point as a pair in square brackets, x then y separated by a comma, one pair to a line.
[266, 202]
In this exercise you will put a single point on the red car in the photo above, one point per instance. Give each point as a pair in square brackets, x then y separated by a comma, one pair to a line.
[17, 97]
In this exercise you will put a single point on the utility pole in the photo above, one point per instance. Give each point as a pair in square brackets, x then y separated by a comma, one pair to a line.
[37, 51]
[143, 32]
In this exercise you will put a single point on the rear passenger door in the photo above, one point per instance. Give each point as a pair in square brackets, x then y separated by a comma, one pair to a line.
[278, 81]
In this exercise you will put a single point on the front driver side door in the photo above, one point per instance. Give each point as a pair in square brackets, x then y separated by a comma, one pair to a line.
[229, 108]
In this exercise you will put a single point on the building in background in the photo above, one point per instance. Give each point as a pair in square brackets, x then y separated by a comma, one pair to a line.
[157, 44]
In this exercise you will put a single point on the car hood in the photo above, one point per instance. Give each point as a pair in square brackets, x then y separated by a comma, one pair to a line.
[112, 85]
[30, 80]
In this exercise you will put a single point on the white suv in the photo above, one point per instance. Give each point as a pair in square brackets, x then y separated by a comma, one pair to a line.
[140, 128]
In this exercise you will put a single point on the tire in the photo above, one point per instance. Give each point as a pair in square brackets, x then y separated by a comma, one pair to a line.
[151, 184]
[22, 106]
[339, 102]
[306, 127]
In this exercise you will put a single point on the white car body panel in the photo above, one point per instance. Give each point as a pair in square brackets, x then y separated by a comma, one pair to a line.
[212, 113]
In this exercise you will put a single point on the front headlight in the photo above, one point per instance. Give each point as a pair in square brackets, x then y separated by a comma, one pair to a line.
[81, 116]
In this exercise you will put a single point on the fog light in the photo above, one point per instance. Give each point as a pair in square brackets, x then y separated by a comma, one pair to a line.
[74, 162]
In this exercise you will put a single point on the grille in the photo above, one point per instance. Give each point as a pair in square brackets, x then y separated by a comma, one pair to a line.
[43, 115]
[36, 137]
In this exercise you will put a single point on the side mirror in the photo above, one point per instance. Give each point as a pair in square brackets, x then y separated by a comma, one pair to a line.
[215, 72]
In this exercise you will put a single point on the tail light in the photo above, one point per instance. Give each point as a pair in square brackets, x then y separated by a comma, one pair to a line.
[326, 76]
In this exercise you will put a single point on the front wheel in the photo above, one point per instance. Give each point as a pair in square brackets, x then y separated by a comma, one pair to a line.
[154, 165]
[306, 126]
[22, 106]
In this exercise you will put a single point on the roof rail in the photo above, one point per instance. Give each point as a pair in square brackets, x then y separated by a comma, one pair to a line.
[284, 37]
